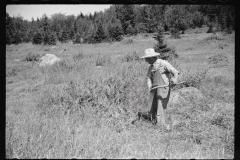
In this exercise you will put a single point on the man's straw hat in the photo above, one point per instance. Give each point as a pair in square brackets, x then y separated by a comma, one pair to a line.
[150, 52]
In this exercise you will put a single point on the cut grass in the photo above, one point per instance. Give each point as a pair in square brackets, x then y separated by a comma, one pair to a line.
[75, 109]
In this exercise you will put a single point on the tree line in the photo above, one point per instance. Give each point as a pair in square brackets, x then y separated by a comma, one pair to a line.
[118, 20]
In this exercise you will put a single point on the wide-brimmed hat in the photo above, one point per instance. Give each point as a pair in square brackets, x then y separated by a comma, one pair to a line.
[150, 52]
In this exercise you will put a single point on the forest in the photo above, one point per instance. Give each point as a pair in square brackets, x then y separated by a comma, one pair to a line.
[117, 21]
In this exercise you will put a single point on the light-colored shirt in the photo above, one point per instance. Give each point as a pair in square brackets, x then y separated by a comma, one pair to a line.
[164, 67]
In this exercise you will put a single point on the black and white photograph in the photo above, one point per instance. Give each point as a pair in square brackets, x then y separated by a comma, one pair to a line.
[120, 81]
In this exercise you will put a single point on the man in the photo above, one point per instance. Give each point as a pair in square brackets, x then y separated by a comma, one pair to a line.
[159, 73]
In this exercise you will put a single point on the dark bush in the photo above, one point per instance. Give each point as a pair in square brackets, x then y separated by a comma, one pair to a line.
[175, 33]
[32, 56]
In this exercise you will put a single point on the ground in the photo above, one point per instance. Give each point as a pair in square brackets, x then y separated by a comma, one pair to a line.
[82, 107]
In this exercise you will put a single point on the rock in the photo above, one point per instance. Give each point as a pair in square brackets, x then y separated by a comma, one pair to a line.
[185, 95]
[48, 59]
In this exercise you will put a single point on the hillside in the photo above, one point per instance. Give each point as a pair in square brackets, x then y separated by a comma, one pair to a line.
[82, 107]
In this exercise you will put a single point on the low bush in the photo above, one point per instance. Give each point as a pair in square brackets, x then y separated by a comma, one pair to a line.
[32, 56]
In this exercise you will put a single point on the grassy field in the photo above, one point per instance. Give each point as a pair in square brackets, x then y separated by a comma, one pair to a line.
[82, 107]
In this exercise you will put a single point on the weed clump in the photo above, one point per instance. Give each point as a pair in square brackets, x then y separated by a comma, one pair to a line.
[102, 60]
[79, 56]
[131, 57]
[218, 60]
[127, 41]
[32, 56]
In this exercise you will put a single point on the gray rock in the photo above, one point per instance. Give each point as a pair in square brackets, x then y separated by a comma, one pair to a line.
[48, 59]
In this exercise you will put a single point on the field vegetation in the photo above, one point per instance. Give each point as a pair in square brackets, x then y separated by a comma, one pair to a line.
[82, 106]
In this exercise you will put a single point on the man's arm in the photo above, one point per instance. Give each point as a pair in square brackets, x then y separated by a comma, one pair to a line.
[148, 78]
[172, 70]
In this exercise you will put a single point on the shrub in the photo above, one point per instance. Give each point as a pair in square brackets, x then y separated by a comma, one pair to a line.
[166, 52]
[77, 39]
[175, 33]
[65, 65]
[102, 60]
[37, 38]
[79, 56]
[52, 39]
[32, 56]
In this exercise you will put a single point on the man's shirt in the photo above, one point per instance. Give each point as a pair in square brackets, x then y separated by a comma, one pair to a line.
[165, 69]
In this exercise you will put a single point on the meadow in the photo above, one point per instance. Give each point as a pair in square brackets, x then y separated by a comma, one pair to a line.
[82, 107]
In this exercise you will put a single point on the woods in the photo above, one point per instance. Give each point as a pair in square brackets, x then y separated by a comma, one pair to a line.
[116, 21]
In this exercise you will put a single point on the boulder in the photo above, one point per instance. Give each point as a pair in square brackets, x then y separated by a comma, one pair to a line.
[185, 95]
[48, 59]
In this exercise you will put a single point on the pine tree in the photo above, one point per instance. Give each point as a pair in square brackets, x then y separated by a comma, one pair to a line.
[17, 37]
[116, 33]
[37, 38]
[10, 30]
[71, 34]
[175, 33]
[100, 35]
[75, 27]
[130, 30]
[77, 38]
[165, 52]
[222, 20]
[52, 39]
[64, 36]
[46, 38]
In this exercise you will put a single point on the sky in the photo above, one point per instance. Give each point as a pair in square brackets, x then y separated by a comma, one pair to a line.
[33, 11]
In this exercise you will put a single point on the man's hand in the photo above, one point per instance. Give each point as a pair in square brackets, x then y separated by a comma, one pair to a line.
[149, 84]
[173, 81]
[149, 87]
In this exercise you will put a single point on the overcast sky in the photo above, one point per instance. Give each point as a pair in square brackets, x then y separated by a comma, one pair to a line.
[33, 11]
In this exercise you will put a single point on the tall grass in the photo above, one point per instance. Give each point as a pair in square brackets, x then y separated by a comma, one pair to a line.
[82, 110]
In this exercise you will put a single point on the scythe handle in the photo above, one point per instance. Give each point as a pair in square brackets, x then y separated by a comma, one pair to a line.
[167, 85]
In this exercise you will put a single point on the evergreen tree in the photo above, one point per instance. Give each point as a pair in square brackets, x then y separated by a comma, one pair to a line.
[52, 39]
[77, 38]
[46, 38]
[116, 32]
[10, 30]
[125, 13]
[222, 20]
[75, 27]
[165, 52]
[71, 34]
[37, 38]
[17, 37]
[99, 36]
[130, 30]
[90, 35]
[64, 36]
